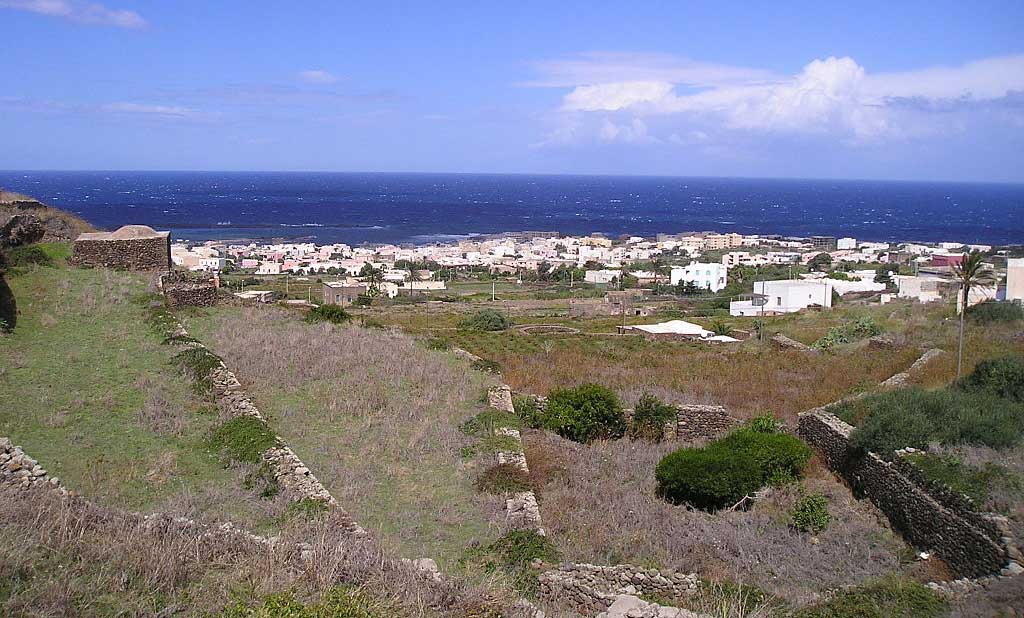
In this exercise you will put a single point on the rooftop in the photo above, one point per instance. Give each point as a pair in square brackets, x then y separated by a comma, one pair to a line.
[125, 232]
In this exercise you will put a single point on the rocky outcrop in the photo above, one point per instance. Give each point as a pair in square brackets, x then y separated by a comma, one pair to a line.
[18, 230]
[781, 341]
[590, 589]
[628, 606]
[58, 225]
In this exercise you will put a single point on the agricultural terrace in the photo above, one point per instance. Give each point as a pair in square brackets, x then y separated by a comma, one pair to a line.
[375, 414]
[87, 388]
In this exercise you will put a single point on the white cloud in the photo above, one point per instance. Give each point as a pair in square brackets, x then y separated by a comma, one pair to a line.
[599, 67]
[317, 76]
[82, 12]
[832, 96]
[170, 111]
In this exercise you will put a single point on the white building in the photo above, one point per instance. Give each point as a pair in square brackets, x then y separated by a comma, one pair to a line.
[783, 296]
[863, 281]
[601, 277]
[706, 276]
[924, 289]
[1015, 279]
[846, 243]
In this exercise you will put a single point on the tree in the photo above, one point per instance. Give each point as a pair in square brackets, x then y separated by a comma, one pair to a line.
[373, 276]
[970, 272]
[820, 262]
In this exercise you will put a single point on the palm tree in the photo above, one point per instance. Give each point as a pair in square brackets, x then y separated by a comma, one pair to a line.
[970, 272]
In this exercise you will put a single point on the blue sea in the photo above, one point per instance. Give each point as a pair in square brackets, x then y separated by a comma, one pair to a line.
[361, 208]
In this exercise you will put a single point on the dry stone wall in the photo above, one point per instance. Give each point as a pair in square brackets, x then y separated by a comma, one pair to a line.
[700, 423]
[970, 543]
[590, 589]
[20, 471]
[129, 253]
[900, 379]
[522, 512]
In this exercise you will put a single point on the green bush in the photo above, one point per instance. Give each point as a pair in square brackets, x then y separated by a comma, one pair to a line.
[650, 417]
[890, 597]
[914, 417]
[585, 413]
[976, 482]
[708, 479]
[992, 311]
[780, 457]
[502, 479]
[486, 365]
[764, 423]
[334, 314]
[27, 255]
[243, 439]
[1003, 377]
[484, 423]
[811, 514]
[337, 603]
[848, 332]
[514, 554]
[486, 320]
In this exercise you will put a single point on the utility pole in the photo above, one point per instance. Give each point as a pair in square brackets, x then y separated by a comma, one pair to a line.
[492, 291]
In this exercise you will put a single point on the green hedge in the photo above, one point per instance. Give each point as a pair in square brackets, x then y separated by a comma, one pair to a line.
[1003, 377]
[585, 413]
[334, 314]
[992, 311]
[650, 417]
[486, 320]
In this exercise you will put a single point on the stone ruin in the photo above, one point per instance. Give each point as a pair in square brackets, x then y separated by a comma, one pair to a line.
[131, 247]
[181, 290]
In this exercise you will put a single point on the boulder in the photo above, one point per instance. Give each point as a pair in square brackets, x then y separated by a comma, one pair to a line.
[21, 230]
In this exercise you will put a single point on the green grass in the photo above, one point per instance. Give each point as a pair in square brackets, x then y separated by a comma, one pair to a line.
[74, 377]
[338, 603]
[976, 482]
[243, 439]
[890, 597]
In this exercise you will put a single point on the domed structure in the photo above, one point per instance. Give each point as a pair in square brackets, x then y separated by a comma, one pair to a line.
[131, 247]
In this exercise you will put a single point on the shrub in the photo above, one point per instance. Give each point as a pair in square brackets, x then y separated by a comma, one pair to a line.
[486, 320]
[486, 365]
[914, 417]
[438, 343]
[855, 330]
[718, 327]
[779, 457]
[334, 314]
[527, 409]
[243, 439]
[890, 597]
[650, 417]
[1003, 377]
[338, 603]
[514, 554]
[992, 311]
[764, 423]
[708, 479]
[585, 413]
[811, 514]
[976, 482]
[27, 255]
[307, 509]
[502, 479]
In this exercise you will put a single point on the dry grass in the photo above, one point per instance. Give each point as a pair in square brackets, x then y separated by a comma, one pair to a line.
[69, 557]
[603, 509]
[375, 415]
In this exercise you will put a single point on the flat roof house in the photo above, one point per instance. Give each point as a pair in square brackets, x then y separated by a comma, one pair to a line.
[705, 276]
[342, 293]
[783, 296]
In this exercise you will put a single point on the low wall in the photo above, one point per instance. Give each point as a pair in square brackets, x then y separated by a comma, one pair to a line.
[522, 512]
[901, 378]
[590, 589]
[961, 537]
[700, 423]
[191, 294]
[130, 253]
[20, 471]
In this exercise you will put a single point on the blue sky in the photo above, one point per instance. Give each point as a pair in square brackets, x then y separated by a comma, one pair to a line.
[914, 90]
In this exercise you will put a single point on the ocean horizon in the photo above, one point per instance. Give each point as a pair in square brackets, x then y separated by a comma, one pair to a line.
[393, 207]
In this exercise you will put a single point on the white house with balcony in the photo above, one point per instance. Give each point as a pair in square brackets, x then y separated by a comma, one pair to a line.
[783, 296]
[705, 276]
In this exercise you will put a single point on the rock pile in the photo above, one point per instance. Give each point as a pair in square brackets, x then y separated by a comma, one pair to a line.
[20, 471]
[628, 606]
[785, 343]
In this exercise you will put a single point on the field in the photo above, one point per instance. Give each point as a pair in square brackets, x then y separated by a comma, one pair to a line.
[374, 414]
[87, 389]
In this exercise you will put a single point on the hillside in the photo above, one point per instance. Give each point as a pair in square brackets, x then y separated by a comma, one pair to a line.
[60, 225]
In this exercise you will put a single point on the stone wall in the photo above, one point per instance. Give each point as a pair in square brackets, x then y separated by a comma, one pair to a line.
[700, 423]
[522, 512]
[970, 543]
[132, 249]
[901, 378]
[190, 293]
[590, 589]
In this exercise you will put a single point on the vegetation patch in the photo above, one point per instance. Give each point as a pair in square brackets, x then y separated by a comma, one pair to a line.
[486, 320]
[1003, 377]
[486, 365]
[503, 479]
[585, 413]
[307, 509]
[848, 332]
[340, 602]
[334, 314]
[489, 445]
[811, 514]
[483, 424]
[650, 417]
[199, 363]
[889, 597]
[978, 483]
[527, 409]
[514, 555]
[915, 417]
[243, 439]
[991, 311]
[28, 255]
